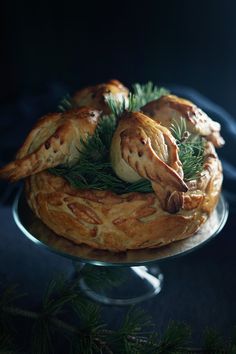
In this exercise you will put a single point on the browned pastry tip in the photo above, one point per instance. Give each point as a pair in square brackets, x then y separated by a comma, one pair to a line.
[138, 152]
[95, 96]
[56, 139]
[169, 108]
[144, 147]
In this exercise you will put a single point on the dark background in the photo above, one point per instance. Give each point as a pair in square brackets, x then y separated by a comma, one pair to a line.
[50, 48]
[191, 43]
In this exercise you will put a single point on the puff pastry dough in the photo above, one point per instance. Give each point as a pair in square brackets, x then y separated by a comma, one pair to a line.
[56, 139]
[142, 148]
[95, 96]
[169, 108]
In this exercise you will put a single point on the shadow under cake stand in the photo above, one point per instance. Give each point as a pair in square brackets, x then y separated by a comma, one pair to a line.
[138, 275]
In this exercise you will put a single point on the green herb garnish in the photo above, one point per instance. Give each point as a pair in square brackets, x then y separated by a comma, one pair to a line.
[66, 103]
[191, 150]
[140, 95]
[94, 170]
[100, 176]
[147, 93]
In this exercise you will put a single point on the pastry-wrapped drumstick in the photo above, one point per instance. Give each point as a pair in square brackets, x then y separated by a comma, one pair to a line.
[56, 139]
[141, 148]
[170, 109]
[95, 96]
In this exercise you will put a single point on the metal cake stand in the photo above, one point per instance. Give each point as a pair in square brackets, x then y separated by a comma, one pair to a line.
[140, 276]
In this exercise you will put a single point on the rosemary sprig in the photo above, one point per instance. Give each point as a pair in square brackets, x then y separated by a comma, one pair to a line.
[191, 149]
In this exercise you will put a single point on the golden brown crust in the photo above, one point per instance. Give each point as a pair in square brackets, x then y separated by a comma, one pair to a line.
[56, 139]
[141, 148]
[104, 220]
[94, 96]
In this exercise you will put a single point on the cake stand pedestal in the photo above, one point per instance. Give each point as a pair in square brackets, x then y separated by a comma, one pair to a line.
[134, 285]
[124, 278]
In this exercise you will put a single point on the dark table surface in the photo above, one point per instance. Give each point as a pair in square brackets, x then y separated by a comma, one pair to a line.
[199, 288]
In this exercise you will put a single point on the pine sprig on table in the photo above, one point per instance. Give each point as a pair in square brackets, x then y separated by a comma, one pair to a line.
[6, 345]
[104, 277]
[41, 341]
[213, 340]
[84, 331]
[174, 337]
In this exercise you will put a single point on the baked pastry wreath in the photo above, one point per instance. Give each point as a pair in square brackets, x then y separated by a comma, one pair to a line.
[117, 170]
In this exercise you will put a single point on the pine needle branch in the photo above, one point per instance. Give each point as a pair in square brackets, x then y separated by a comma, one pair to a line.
[174, 338]
[9, 295]
[6, 345]
[42, 337]
[66, 104]
[118, 106]
[136, 320]
[191, 149]
[138, 97]
[104, 277]
[146, 93]
[58, 294]
[94, 169]
[213, 342]
[89, 335]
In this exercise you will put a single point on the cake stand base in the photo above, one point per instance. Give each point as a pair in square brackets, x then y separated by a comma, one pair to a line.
[112, 278]
[120, 285]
